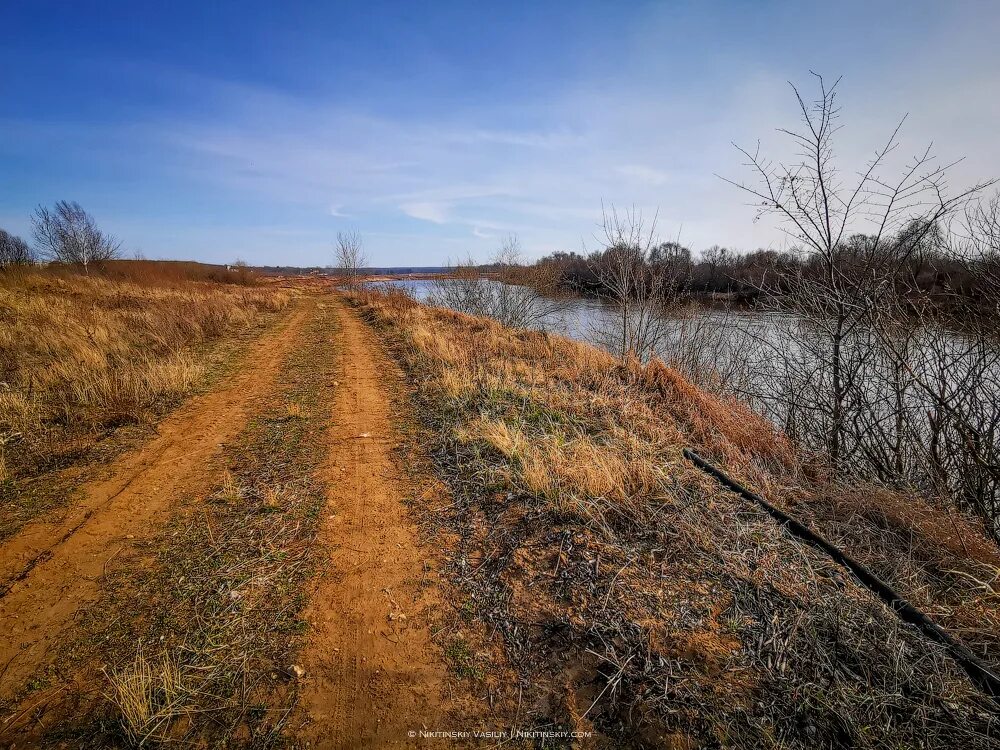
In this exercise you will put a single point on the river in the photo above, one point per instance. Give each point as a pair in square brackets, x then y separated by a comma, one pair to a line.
[907, 404]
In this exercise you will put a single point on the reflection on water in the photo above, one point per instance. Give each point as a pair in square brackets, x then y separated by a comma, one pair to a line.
[577, 318]
[911, 403]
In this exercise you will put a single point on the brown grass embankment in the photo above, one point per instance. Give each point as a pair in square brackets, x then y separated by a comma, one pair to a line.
[637, 598]
[82, 355]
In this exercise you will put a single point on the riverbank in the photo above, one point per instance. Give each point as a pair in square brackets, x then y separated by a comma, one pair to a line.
[636, 599]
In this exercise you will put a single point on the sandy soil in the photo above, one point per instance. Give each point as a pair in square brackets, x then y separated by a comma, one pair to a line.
[52, 567]
[372, 674]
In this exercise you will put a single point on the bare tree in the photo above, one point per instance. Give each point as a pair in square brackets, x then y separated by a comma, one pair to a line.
[521, 298]
[979, 248]
[633, 286]
[242, 269]
[848, 271]
[512, 298]
[14, 251]
[68, 234]
[350, 255]
[949, 417]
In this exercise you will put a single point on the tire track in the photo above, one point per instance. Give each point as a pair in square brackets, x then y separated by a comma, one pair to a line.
[52, 569]
[372, 672]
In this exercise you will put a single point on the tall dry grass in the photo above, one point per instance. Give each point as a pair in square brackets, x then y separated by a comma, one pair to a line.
[637, 598]
[80, 355]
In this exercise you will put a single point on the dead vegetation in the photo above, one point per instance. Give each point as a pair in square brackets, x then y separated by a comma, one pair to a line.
[636, 598]
[81, 356]
[199, 625]
[147, 692]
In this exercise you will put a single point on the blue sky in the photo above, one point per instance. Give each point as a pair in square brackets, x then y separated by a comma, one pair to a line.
[216, 130]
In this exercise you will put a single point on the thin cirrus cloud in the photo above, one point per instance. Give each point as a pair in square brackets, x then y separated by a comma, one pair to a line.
[422, 167]
[545, 183]
[427, 188]
[445, 165]
[437, 213]
[447, 178]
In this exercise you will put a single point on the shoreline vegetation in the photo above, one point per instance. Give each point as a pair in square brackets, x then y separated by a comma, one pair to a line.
[886, 383]
[880, 353]
[637, 599]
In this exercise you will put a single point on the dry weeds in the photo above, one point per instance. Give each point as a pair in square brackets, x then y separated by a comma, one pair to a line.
[637, 598]
[215, 597]
[82, 356]
[149, 693]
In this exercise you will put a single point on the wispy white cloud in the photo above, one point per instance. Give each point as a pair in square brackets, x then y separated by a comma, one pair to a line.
[436, 213]
[644, 128]
[643, 174]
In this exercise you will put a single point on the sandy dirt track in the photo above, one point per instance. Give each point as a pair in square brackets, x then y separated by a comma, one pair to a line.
[52, 568]
[372, 673]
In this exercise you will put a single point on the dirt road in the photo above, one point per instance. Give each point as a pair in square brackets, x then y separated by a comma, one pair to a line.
[372, 672]
[51, 569]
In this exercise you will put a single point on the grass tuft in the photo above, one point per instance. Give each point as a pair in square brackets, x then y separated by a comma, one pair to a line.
[230, 490]
[148, 694]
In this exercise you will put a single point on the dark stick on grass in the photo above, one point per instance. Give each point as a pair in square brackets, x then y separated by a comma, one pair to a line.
[977, 671]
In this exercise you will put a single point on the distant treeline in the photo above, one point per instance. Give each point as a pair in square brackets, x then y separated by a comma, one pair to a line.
[335, 270]
[930, 271]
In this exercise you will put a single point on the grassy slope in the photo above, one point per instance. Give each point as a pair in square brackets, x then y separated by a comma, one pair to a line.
[635, 597]
[83, 357]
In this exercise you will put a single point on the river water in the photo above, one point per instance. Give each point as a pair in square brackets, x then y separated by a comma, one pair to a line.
[780, 365]
[709, 345]
[910, 398]
[578, 318]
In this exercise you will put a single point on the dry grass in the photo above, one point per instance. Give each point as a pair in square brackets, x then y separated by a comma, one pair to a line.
[148, 693]
[230, 491]
[82, 355]
[216, 595]
[639, 599]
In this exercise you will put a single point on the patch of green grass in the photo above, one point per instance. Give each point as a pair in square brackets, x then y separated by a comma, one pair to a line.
[463, 660]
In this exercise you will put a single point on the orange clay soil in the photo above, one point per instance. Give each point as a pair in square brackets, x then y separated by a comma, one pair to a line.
[52, 567]
[372, 673]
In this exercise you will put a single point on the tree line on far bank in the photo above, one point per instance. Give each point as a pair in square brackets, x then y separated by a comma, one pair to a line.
[940, 270]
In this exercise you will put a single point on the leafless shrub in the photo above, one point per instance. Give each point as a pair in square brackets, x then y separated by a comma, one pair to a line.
[979, 249]
[631, 285]
[847, 273]
[702, 346]
[944, 410]
[350, 256]
[853, 359]
[503, 293]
